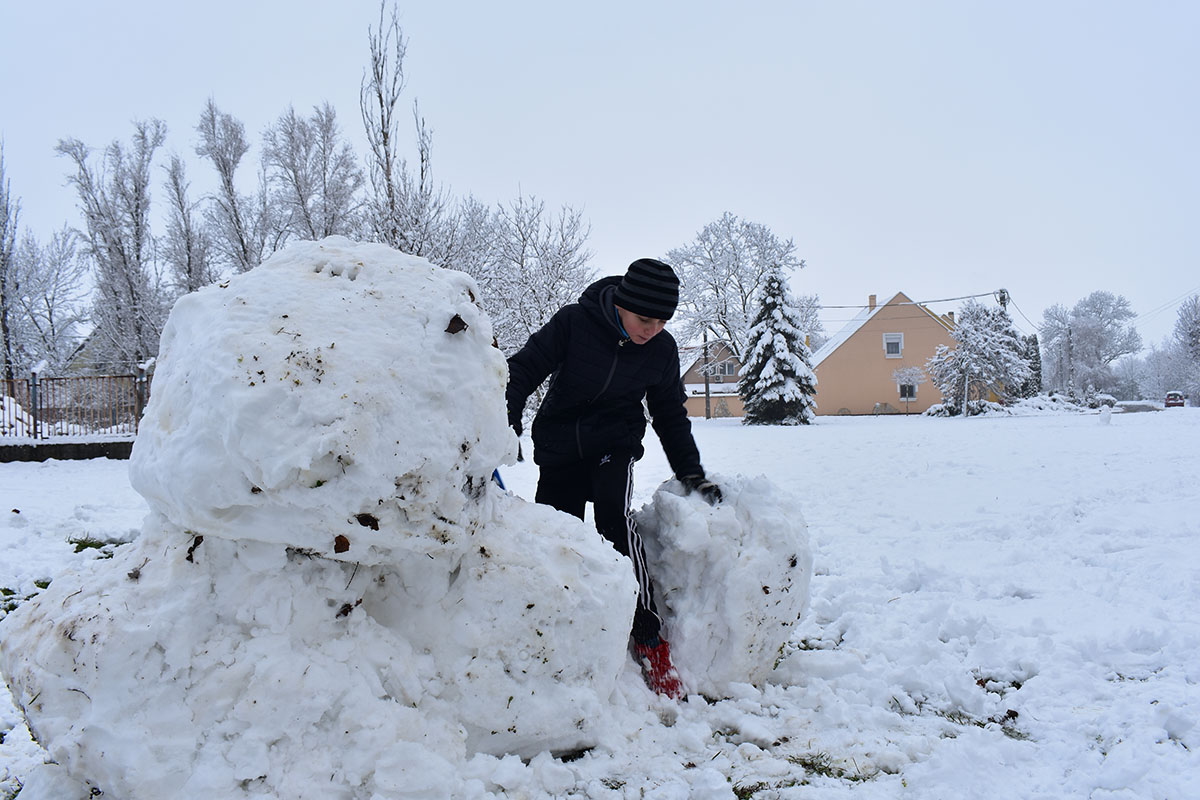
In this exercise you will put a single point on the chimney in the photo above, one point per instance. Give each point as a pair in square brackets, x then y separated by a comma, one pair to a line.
[871, 302]
[950, 314]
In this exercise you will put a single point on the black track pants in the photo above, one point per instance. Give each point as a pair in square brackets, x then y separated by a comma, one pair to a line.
[607, 481]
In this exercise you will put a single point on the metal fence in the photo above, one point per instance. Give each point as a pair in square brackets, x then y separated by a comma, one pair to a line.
[84, 407]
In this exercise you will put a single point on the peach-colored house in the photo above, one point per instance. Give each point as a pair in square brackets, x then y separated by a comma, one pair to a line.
[724, 372]
[856, 368]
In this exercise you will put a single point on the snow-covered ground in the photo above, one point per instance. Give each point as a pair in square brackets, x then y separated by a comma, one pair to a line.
[1001, 607]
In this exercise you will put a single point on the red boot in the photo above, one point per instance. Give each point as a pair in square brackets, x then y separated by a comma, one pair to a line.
[660, 673]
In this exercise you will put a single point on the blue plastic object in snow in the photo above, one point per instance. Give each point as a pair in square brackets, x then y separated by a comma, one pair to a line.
[496, 478]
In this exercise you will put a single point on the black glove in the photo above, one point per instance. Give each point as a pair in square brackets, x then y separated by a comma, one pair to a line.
[707, 489]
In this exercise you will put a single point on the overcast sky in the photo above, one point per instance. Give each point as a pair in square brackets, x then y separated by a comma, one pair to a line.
[941, 149]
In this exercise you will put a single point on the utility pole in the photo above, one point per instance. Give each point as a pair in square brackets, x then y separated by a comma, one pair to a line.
[707, 391]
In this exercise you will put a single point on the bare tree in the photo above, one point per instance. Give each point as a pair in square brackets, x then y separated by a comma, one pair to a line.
[10, 212]
[187, 246]
[129, 307]
[405, 211]
[720, 274]
[313, 174]
[245, 229]
[378, 96]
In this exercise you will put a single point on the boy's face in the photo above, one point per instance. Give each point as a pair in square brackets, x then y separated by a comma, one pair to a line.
[640, 329]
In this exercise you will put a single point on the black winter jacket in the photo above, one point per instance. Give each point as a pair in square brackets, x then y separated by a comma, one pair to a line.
[594, 403]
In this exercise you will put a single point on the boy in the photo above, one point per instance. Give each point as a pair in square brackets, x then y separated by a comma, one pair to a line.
[607, 353]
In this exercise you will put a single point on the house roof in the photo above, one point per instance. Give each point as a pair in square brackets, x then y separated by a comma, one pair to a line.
[862, 318]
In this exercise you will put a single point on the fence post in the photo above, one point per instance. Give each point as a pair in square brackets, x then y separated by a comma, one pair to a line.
[33, 402]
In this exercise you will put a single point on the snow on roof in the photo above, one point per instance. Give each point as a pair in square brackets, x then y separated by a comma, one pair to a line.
[852, 327]
[848, 330]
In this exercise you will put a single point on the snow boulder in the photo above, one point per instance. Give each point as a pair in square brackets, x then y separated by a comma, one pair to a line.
[732, 579]
[330, 597]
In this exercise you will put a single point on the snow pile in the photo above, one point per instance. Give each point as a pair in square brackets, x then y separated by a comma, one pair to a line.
[732, 579]
[329, 597]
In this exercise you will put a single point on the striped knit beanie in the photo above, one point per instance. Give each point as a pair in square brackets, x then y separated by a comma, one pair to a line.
[649, 289]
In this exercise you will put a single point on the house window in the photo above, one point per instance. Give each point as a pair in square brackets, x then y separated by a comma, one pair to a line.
[908, 391]
[893, 345]
[722, 371]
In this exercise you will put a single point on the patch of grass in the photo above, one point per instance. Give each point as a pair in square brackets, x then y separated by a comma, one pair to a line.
[1006, 722]
[42, 583]
[747, 790]
[86, 542]
[822, 764]
[104, 547]
[8, 602]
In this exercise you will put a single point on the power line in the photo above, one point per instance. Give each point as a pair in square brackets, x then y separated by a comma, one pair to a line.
[1036, 327]
[1166, 305]
[922, 302]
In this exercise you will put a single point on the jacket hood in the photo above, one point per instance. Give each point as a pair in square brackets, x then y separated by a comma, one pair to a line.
[597, 299]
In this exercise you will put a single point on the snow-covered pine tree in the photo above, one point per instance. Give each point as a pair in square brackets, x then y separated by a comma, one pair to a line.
[1032, 386]
[778, 383]
[988, 358]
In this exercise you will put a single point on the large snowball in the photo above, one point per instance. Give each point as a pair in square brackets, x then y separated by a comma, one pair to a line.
[336, 390]
[732, 579]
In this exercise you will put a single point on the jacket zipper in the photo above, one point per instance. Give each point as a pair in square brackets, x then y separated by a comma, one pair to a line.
[611, 371]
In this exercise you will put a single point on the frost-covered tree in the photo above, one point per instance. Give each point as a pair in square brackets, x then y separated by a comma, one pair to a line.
[909, 376]
[1185, 343]
[472, 243]
[53, 298]
[245, 228]
[808, 307]
[540, 263]
[10, 319]
[720, 275]
[1081, 345]
[187, 247]
[1186, 333]
[987, 358]
[778, 384]
[314, 174]
[130, 307]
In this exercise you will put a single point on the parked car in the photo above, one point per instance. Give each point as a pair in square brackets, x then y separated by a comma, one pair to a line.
[1174, 399]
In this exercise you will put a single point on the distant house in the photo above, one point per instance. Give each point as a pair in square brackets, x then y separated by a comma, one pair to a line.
[724, 370]
[857, 368]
